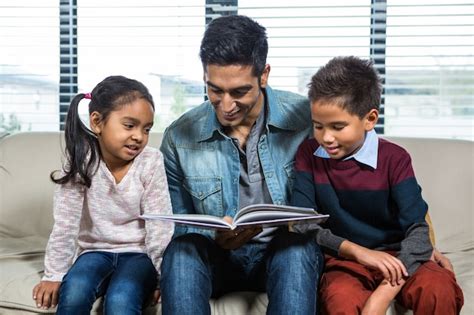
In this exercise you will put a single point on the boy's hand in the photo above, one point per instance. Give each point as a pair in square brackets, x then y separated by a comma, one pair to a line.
[441, 260]
[391, 267]
[46, 294]
[235, 238]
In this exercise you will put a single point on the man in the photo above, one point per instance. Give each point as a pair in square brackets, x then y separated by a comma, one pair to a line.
[235, 150]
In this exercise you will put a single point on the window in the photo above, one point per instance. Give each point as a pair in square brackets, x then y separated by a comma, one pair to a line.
[29, 65]
[154, 42]
[307, 34]
[430, 69]
[423, 49]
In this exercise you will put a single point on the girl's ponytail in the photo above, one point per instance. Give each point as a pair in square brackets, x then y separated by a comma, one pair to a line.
[82, 148]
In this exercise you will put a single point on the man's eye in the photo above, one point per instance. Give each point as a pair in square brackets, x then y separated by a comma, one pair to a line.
[128, 126]
[338, 127]
[318, 127]
[215, 91]
[239, 93]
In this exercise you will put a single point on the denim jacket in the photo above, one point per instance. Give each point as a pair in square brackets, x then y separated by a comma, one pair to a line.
[203, 167]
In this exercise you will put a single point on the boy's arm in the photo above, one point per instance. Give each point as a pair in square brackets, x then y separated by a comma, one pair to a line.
[437, 256]
[304, 195]
[391, 267]
[380, 299]
[416, 247]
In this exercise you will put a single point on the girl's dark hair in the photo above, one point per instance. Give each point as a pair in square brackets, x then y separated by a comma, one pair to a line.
[352, 82]
[82, 147]
[235, 40]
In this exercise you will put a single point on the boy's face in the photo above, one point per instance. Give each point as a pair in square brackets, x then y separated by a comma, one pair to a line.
[340, 133]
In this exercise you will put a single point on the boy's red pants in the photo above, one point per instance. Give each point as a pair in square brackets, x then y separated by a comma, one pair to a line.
[346, 285]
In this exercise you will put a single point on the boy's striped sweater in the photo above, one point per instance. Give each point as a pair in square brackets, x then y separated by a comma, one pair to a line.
[378, 208]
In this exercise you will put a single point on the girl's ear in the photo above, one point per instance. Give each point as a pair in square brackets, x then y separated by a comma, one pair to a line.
[371, 119]
[95, 119]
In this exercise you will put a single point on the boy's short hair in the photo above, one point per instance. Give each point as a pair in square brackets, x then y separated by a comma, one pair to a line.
[235, 40]
[350, 81]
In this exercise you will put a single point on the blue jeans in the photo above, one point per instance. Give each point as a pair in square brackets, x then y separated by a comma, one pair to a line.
[195, 268]
[126, 279]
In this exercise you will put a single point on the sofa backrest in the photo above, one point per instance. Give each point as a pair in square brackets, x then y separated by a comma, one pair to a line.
[444, 169]
[26, 192]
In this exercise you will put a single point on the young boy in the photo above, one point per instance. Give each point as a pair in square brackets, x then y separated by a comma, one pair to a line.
[377, 238]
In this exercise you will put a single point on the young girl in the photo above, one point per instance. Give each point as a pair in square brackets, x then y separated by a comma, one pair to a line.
[110, 178]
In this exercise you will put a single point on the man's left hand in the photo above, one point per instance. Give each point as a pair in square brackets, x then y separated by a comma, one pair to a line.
[235, 238]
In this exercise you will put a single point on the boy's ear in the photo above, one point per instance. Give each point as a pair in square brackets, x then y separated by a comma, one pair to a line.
[371, 119]
[95, 120]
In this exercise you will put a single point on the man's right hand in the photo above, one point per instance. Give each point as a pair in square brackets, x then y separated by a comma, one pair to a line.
[46, 294]
[235, 238]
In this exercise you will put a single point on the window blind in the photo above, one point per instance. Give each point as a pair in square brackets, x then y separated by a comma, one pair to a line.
[430, 69]
[423, 49]
[155, 42]
[29, 65]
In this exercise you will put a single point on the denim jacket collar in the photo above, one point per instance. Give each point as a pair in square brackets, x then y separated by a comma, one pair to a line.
[276, 117]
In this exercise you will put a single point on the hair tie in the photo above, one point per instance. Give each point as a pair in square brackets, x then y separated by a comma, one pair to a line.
[88, 96]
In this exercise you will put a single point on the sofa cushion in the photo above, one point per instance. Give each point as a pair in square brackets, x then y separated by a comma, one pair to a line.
[444, 169]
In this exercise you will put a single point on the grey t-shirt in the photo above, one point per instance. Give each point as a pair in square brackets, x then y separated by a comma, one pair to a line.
[252, 186]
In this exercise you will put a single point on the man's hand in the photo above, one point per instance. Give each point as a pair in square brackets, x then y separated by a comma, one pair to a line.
[235, 238]
[441, 260]
[156, 297]
[46, 294]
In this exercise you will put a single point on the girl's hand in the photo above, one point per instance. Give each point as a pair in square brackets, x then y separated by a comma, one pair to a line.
[235, 238]
[46, 294]
[391, 267]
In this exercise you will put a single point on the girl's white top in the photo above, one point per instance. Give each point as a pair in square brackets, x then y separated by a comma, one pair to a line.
[105, 217]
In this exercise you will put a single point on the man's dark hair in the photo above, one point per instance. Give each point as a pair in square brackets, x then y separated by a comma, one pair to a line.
[235, 40]
[351, 82]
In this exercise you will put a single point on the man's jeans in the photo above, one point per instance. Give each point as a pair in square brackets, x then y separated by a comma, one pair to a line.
[126, 280]
[195, 268]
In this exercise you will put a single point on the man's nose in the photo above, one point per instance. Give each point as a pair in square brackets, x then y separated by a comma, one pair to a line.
[227, 103]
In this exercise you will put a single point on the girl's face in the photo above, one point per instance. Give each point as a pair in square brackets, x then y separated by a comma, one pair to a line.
[124, 134]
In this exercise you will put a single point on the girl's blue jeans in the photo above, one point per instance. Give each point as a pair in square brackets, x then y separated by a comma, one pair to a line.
[195, 269]
[126, 280]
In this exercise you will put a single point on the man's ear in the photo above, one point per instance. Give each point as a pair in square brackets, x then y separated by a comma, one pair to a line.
[264, 76]
[95, 119]
[371, 119]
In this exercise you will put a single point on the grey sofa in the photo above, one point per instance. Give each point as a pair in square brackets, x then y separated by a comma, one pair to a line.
[443, 167]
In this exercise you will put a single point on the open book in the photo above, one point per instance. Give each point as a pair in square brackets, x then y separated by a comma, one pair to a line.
[264, 215]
